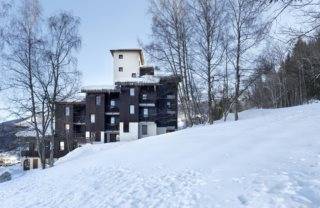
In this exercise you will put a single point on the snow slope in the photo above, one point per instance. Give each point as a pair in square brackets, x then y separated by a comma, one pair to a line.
[270, 158]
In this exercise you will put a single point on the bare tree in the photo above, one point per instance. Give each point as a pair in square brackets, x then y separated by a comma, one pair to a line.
[171, 47]
[248, 29]
[209, 17]
[63, 41]
[23, 61]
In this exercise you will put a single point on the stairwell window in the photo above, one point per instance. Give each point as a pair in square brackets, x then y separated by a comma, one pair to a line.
[61, 146]
[93, 118]
[131, 109]
[145, 112]
[67, 127]
[131, 91]
[112, 103]
[98, 100]
[112, 120]
[67, 111]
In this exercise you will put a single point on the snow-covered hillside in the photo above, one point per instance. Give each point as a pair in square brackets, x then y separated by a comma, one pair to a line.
[270, 158]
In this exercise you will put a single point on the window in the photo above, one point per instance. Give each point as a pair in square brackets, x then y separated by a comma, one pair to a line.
[169, 104]
[120, 56]
[145, 112]
[131, 109]
[87, 134]
[131, 91]
[134, 75]
[125, 127]
[144, 96]
[112, 103]
[67, 111]
[61, 146]
[144, 129]
[93, 118]
[67, 127]
[112, 120]
[120, 69]
[98, 100]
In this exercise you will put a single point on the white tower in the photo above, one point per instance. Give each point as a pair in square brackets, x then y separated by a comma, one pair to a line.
[126, 64]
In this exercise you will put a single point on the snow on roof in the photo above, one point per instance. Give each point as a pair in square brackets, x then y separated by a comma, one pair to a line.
[98, 88]
[79, 97]
[145, 79]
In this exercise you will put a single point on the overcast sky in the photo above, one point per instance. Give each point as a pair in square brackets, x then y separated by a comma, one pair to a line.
[105, 25]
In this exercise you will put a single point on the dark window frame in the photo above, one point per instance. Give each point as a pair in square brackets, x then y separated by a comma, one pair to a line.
[120, 56]
[120, 69]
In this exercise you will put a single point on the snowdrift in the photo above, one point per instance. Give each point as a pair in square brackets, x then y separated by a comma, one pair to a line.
[270, 158]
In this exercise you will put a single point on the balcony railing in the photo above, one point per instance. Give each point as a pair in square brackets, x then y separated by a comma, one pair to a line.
[80, 135]
[112, 127]
[147, 97]
[112, 108]
[79, 119]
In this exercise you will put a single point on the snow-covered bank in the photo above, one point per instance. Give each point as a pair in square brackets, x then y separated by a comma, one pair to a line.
[270, 158]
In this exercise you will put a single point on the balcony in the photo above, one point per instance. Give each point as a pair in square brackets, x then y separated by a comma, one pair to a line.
[79, 120]
[112, 127]
[79, 135]
[112, 109]
[147, 98]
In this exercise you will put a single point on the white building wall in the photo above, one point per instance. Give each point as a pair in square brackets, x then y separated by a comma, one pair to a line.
[151, 129]
[133, 133]
[130, 63]
[102, 137]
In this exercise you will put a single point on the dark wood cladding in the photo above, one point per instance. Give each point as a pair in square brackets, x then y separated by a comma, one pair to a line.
[76, 121]
[159, 98]
[167, 93]
[146, 71]
[98, 111]
[125, 101]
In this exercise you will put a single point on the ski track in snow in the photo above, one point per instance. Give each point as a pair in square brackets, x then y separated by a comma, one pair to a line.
[271, 158]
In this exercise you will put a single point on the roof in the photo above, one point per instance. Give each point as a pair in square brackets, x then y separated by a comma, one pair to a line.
[77, 98]
[112, 51]
[143, 80]
[100, 88]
